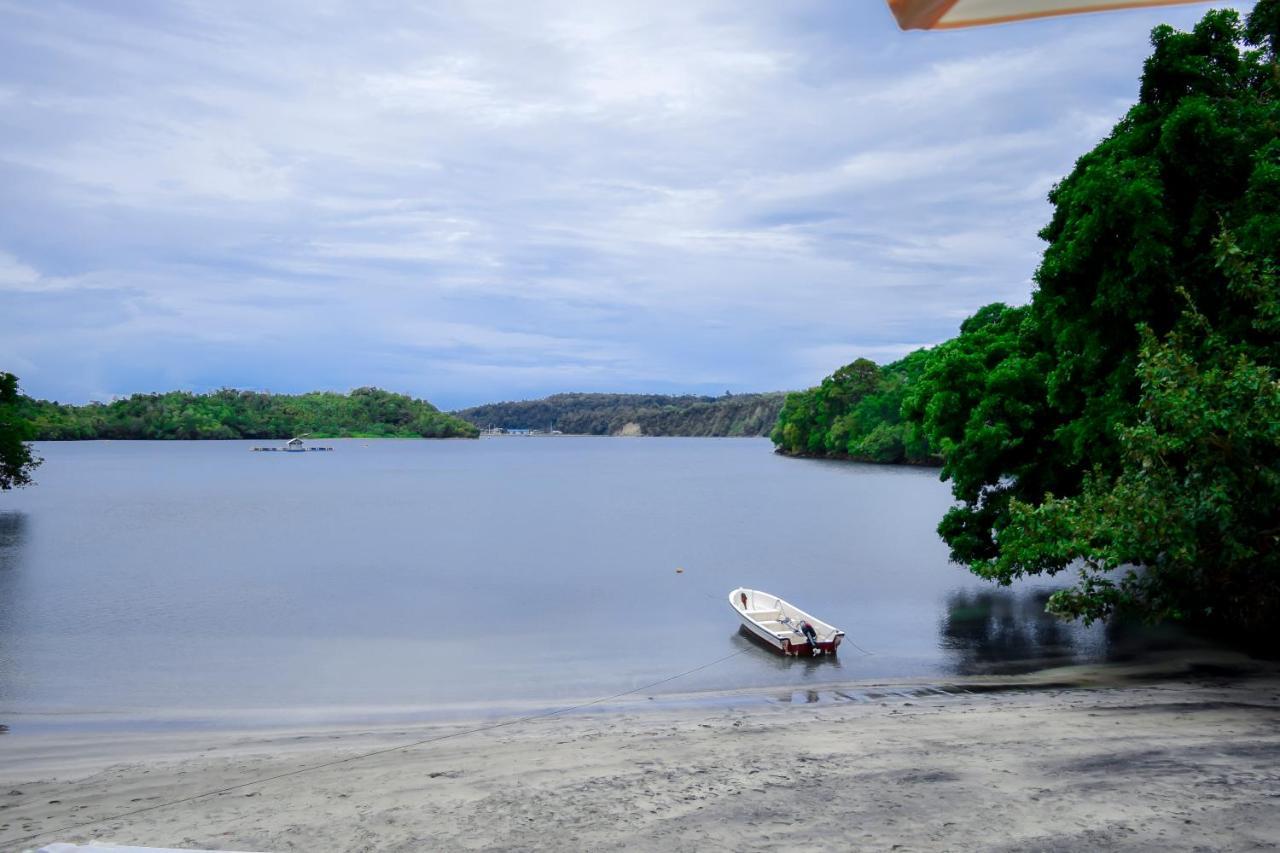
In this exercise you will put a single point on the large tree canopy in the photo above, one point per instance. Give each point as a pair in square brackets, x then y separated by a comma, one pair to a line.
[1121, 418]
[16, 458]
[1189, 524]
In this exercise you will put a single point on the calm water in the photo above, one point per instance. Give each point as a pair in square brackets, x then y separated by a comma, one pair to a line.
[157, 579]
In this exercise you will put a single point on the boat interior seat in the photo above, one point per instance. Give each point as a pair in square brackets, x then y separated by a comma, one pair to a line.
[764, 615]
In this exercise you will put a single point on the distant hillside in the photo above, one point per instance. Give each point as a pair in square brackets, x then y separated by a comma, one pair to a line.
[650, 414]
[365, 412]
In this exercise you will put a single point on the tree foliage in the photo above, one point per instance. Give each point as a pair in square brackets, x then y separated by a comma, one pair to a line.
[16, 458]
[855, 413]
[1189, 524]
[1125, 419]
[229, 413]
[654, 414]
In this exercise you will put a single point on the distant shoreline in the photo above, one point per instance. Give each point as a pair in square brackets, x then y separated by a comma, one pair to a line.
[383, 438]
[684, 415]
[844, 457]
[254, 438]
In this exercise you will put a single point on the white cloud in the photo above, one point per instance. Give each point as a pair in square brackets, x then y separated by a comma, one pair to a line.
[458, 195]
[822, 359]
[15, 275]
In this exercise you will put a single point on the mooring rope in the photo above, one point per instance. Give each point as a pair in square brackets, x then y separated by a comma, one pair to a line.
[360, 757]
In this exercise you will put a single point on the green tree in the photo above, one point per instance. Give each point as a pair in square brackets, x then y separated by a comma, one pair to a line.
[1189, 526]
[979, 398]
[16, 458]
[228, 413]
[1140, 336]
[855, 413]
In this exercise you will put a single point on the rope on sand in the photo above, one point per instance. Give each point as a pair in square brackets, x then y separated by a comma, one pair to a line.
[406, 746]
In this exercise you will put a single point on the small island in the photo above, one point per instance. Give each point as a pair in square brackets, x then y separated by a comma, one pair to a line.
[229, 414]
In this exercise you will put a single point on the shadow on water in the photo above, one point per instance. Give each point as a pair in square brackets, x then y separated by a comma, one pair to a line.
[1000, 631]
[13, 532]
[13, 535]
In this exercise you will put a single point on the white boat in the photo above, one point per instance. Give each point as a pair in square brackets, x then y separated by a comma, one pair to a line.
[782, 625]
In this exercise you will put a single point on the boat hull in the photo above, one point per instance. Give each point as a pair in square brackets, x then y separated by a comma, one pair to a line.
[787, 648]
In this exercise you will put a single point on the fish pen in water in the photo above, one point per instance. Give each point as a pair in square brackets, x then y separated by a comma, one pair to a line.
[293, 445]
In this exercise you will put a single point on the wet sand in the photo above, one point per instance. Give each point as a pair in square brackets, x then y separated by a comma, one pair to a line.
[1185, 763]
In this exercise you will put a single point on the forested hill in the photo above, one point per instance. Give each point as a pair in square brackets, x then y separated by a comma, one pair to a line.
[365, 412]
[644, 414]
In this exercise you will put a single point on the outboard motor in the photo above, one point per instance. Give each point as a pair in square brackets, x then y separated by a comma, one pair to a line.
[811, 635]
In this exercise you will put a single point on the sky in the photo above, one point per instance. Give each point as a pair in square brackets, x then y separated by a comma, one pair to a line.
[481, 201]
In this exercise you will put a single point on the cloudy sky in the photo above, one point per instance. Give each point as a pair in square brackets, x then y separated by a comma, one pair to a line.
[476, 201]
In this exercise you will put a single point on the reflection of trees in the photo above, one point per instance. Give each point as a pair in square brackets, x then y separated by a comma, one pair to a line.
[1129, 638]
[13, 536]
[13, 526]
[999, 630]
[13, 530]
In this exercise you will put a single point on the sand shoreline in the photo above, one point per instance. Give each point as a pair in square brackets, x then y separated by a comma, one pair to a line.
[1179, 763]
[54, 723]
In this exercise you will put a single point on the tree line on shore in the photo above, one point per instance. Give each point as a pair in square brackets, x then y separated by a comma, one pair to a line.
[648, 414]
[856, 413]
[1123, 428]
[365, 412]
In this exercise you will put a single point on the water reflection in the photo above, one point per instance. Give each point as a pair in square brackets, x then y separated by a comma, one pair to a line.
[13, 527]
[1129, 639]
[13, 535]
[1003, 631]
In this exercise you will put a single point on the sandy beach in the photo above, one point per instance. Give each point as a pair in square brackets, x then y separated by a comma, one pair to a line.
[1187, 763]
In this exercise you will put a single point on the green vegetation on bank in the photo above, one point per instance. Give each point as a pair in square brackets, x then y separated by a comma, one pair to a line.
[649, 414]
[365, 412]
[856, 413]
[16, 459]
[1124, 427]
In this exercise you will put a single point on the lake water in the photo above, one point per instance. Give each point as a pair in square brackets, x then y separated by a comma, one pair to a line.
[162, 580]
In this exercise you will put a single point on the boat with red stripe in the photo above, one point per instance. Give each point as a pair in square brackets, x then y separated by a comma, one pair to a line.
[782, 625]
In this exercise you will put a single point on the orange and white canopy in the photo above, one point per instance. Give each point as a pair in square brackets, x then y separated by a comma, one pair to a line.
[944, 14]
